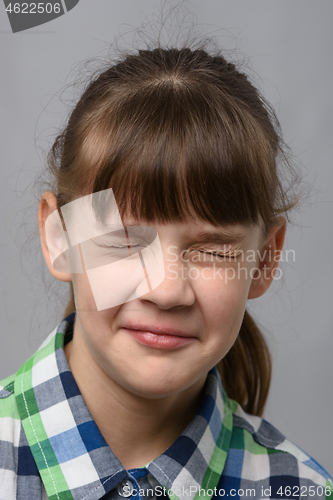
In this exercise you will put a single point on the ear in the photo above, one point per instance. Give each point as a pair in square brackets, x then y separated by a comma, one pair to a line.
[270, 254]
[48, 205]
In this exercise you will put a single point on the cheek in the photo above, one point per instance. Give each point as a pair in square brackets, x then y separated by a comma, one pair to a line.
[83, 296]
[223, 287]
[222, 301]
[96, 326]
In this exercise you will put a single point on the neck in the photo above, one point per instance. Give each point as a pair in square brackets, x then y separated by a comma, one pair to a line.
[137, 429]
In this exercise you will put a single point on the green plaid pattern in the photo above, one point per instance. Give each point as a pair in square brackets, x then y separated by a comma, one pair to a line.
[50, 446]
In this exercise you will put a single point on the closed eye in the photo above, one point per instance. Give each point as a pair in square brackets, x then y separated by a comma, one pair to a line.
[220, 254]
[134, 237]
[108, 244]
[213, 253]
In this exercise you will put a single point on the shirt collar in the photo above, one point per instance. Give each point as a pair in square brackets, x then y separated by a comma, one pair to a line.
[71, 454]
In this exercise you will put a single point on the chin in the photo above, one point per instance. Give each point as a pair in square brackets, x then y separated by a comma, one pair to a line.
[159, 383]
[155, 387]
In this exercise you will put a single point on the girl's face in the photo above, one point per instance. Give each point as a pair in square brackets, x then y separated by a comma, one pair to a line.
[166, 340]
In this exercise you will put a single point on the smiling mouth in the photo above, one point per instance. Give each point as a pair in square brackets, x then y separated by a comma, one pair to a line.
[159, 337]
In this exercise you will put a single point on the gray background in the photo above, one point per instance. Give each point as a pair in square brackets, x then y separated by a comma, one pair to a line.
[289, 44]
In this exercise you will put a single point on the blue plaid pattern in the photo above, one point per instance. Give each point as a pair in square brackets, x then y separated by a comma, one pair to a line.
[50, 446]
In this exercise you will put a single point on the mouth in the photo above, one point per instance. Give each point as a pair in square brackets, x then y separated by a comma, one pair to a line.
[159, 337]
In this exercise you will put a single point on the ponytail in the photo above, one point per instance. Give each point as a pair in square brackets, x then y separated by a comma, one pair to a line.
[246, 368]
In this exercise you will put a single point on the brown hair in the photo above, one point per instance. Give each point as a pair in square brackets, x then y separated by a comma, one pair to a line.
[179, 133]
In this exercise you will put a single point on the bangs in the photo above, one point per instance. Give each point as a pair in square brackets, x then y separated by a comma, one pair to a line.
[165, 163]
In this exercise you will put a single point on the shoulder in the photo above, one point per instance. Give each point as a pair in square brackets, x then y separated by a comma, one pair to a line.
[10, 429]
[18, 471]
[9, 415]
[269, 459]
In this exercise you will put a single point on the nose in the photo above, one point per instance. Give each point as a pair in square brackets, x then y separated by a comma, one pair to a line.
[176, 289]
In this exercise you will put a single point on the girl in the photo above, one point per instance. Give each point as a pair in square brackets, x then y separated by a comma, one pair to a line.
[168, 214]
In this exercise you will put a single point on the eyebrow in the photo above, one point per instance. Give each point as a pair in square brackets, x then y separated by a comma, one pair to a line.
[222, 237]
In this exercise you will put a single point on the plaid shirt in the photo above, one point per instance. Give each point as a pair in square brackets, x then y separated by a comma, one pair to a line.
[50, 447]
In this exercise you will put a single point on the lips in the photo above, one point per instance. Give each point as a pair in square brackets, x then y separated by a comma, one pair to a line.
[160, 337]
[157, 329]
